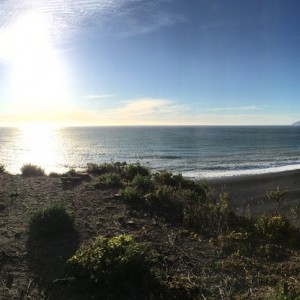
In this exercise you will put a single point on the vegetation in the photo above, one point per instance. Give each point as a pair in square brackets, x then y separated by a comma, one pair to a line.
[108, 180]
[54, 174]
[100, 169]
[54, 219]
[131, 170]
[2, 168]
[117, 268]
[32, 170]
[182, 239]
[276, 196]
[71, 172]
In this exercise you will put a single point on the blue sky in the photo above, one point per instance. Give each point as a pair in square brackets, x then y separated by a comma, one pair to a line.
[150, 62]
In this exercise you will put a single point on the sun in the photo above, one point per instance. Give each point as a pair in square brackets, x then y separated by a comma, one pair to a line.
[38, 80]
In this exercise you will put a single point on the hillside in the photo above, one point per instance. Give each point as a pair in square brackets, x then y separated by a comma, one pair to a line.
[203, 250]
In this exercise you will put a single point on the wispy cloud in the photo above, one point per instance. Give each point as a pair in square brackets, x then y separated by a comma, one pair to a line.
[146, 112]
[119, 17]
[99, 96]
[236, 108]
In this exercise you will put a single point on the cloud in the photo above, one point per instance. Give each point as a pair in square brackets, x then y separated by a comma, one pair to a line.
[99, 96]
[147, 111]
[237, 108]
[119, 17]
[144, 111]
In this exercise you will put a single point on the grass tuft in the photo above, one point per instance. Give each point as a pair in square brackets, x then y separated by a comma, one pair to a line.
[55, 219]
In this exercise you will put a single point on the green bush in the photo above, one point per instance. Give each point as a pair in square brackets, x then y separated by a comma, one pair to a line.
[131, 170]
[99, 169]
[118, 267]
[55, 219]
[2, 168]
[131, 194]
[209, 217]
[276, 196]
[108, 180]
[144, 183]
[274, 228]
[178, 181]
[32, 170]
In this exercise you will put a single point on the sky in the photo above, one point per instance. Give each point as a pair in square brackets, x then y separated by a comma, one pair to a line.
[149, 62]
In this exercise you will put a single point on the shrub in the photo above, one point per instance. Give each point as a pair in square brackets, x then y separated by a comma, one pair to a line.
[177, 180]
[274, 228]
[116, 267]
[71, 172]
[131, 194]
[131, 170]
[32, 170]
[108, 180]
[2, 168]
[54, 219]
[164, 178]
[100, 169]
[54, 174]
[276, 196]
[209, 217]
[144, 183]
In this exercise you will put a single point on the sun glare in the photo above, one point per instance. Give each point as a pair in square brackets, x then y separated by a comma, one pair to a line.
[39, 144]
[38, 82]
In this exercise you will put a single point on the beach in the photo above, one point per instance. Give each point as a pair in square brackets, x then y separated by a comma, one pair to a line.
[250, 192]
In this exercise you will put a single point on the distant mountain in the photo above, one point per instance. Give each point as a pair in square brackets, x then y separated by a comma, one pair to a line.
[296, 124]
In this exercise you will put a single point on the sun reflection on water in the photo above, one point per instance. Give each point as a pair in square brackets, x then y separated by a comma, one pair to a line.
[39, 145]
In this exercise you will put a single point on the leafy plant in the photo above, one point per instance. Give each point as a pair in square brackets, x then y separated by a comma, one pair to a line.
[144, 183]
[32, 170]
[108, 180]
[276, 196]
[131, 194]
[131, 170]
[55, 219]
[275, 228]
[118, 267]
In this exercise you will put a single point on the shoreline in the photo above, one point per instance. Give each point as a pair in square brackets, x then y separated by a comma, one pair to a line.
[249, 191]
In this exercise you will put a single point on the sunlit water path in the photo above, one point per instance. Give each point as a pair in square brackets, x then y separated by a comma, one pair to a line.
[194, 151]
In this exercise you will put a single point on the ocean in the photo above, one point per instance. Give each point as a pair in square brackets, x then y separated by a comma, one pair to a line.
[194, 151]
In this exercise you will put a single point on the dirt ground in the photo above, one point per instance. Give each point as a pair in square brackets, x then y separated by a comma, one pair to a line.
[35, 269]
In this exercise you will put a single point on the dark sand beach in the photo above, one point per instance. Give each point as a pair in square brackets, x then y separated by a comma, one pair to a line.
[250, 191]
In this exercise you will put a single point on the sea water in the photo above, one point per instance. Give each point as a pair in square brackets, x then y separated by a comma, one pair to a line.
[194, 151]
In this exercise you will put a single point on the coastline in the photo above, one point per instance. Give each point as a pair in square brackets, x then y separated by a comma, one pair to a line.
[249, 191]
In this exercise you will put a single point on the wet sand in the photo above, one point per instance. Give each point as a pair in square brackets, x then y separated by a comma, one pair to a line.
[249, 192]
